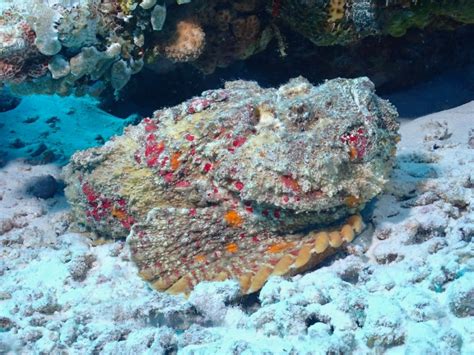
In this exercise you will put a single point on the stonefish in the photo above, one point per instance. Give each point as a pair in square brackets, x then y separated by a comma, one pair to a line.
[242, 182]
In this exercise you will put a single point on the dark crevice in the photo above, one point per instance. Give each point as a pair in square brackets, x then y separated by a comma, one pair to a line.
[393, 64]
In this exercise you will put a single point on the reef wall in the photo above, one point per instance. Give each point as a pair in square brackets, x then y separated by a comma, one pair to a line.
[86, 47]
[330, 22]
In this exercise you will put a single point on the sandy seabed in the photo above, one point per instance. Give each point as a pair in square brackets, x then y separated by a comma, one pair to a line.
[406, 286]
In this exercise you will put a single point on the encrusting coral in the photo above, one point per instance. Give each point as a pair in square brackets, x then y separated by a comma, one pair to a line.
[241, 182]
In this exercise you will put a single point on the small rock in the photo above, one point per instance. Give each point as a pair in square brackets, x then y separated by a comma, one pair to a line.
[7, 100]
[31, 119]
[17, 144]
[470, 141]
[99, 139]
[31, 335]
[5, 296]
[6, 324]
[461, 296]
[38, 320]
[4, 347]
[47, 304]
[6, 225]
[116, 249]
[70, 111]
[43, 186]
[68, 332]
[384, 324]
[210, 298]
[52, 121]
[419, 305]
[451, 341]
[319, 330]
[39, 150]
[80, 265]
[197, 334]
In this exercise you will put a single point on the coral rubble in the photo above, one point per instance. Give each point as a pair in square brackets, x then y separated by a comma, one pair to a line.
[241, 182]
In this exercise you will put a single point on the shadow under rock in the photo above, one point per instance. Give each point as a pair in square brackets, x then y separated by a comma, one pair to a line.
[394, 64]
[450, 89]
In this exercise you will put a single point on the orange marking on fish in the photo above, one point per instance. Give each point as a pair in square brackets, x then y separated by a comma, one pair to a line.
[279, 247]
[200, 258]
[119, 214]
[233, 218]
[232, 248]
[353, 153]
[174, 162]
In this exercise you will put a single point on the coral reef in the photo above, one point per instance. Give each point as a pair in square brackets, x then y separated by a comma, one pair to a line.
[20, 59]
[241, 182]
[65, 47]
[188, 43]
[235, 31]
[88, 47]
[330, 22]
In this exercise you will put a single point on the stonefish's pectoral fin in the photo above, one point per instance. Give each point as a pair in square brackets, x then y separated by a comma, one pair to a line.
[176, 248]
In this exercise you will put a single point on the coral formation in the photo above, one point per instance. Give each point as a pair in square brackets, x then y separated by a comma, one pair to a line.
[86, 47]
[69, 47]
[330, 22]
[234, 31]
[40, 42]
[20, 58]
[241, 182]
[187, 44]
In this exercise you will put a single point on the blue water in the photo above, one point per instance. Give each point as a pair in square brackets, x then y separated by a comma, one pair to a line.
[46, 129]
